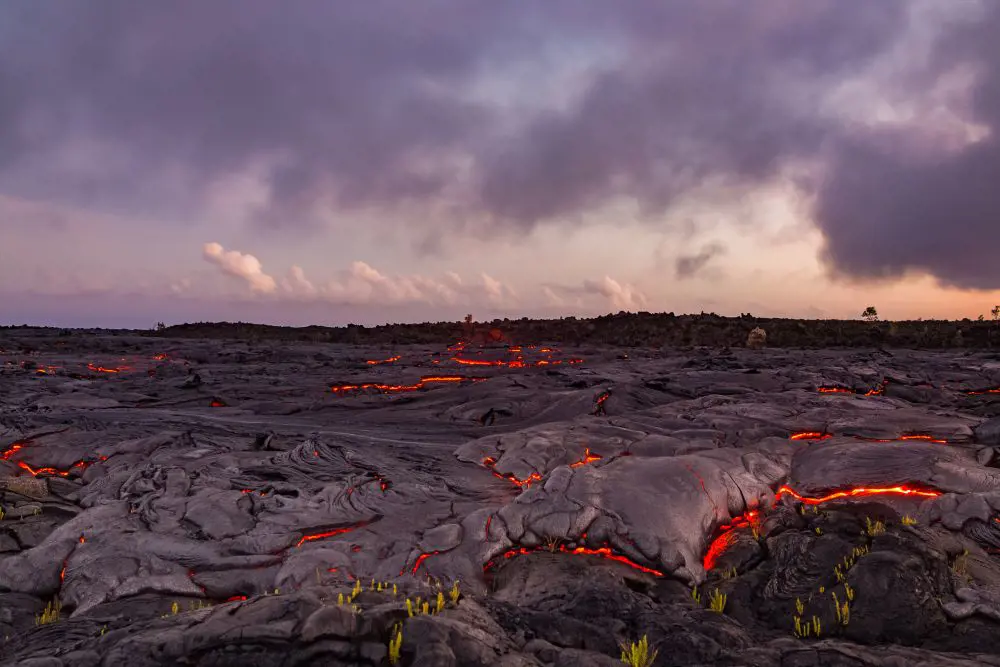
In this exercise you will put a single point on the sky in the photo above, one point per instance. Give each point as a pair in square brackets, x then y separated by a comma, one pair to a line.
[315, 162]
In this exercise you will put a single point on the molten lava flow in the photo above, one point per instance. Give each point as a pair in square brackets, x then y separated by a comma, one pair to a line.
[420, 560]
[727, 536]
[810, 435]
[716, 548]
[10, 451]
[490, 462]
[980, 392]
[159, 357]
[35, 472]
[602, 552]
[587, 458]
[397, 388]
[217, 404]
[330, 533]
[915, 436]
[834, 390]
[101, 369]
[237, 598]
[879, 390]
[854, 493]
[390, 360]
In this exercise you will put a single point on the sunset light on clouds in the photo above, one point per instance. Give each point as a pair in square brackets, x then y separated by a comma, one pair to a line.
[311, 162]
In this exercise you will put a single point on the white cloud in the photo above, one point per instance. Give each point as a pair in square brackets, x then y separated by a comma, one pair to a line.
[238, 265]
[620, 296]
[361, 284]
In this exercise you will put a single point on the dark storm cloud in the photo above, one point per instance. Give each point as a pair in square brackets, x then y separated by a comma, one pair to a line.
[689, 265]
[888, 208]
[130, 106]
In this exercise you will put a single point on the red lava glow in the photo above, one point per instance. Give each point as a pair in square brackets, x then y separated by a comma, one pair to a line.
[855, 493]
[810, 435]
[159, 357]
[834, 390]
[879, 390]
[917, 436]
[490, 462]
[981, 392]
[398, 388]
[101, 369]
[602, 552]
[390, 360]
[420, 561]
[217, 404]
[587, 458]
[329, 533]
[35, 472]
[727, 536]
[237, 598]
[10, 451]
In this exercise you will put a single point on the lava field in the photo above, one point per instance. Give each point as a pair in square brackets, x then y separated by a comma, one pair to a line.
[217, 502]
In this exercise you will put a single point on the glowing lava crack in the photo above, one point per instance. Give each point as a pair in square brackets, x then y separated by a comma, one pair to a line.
[601, 552]
[856, 493]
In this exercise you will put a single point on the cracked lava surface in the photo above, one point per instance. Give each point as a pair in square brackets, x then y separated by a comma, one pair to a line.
[252, 483]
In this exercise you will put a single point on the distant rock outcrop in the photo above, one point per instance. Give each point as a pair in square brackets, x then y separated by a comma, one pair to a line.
[757, 338]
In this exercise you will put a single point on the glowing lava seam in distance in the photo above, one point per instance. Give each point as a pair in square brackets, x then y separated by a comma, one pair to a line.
[602, 552]
[490, 463]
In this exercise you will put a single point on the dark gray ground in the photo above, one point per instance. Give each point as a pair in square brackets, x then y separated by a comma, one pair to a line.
[175, 488]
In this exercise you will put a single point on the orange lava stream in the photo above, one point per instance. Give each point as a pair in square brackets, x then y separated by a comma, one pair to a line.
[489, 462]
[602, 552]
[329, 533]
[420, 561]
[217, 404]
[390, 360]
[810, 435]
[922, 437]
[101, 369]
[727, 536]
[10, 451]
[856, 492]
[834, 390]
[980, 392]
[397, 388]
[159, 357]
[587, 458]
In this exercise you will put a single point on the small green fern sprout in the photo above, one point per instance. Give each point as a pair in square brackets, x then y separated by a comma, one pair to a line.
[717, 601]
[440, 602]
[908, 520]
[395, 591]
[874, 528]
[50, 614]
[409, 607]
[396, 644]
[426, 608]
[696, 595]
[849, 592]
[454, 593]
[818, 530]
[174, 608]
[816, 626]
[637, 654]
[799, 606]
